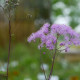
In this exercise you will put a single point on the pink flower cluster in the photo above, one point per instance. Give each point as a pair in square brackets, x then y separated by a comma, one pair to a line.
[48, 36]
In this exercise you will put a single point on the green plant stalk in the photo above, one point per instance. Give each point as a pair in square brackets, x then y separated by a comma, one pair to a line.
[53, 59]
[42, 66]
[9, 45]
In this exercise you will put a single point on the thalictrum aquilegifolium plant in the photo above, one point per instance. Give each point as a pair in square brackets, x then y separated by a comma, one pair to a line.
[49, 36]
[8, 10]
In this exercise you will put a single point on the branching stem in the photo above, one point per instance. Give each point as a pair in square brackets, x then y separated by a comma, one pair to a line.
[53, 59]
[42, 66]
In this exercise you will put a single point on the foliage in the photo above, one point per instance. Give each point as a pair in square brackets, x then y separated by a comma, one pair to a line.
[67, 9]
[28, 58]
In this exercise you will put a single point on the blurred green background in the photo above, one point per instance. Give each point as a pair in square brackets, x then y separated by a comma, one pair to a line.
[28, 17]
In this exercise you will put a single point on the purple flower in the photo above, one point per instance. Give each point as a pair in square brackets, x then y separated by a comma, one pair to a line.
[32, 37]
[45, 28]
[44, 53]
[48, 36]
[62, 44]
[66, 49]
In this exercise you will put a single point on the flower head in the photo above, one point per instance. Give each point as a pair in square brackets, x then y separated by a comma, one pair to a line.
[48, 36]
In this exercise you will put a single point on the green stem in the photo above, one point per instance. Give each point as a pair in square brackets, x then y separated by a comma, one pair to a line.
[9, 45]
[53, 59]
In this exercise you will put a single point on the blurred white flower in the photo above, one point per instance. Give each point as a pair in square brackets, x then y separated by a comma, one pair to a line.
[14, 63]
[27, 79]
[45, 66]
[77, 29]
[54, 78]
[58, 5]
[41, 77]
[63, 20]
[67, 11]
[2, 69]
[3, 66]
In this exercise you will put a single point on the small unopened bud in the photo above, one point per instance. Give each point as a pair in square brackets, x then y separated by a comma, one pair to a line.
[44, 53]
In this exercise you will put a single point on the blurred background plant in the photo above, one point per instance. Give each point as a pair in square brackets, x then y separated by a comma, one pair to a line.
[28, 17]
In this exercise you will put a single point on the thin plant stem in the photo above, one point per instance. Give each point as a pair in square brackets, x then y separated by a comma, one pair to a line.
[52, 66]
[9, 45]
[42, 65]
[9, 48]
[53, 59]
